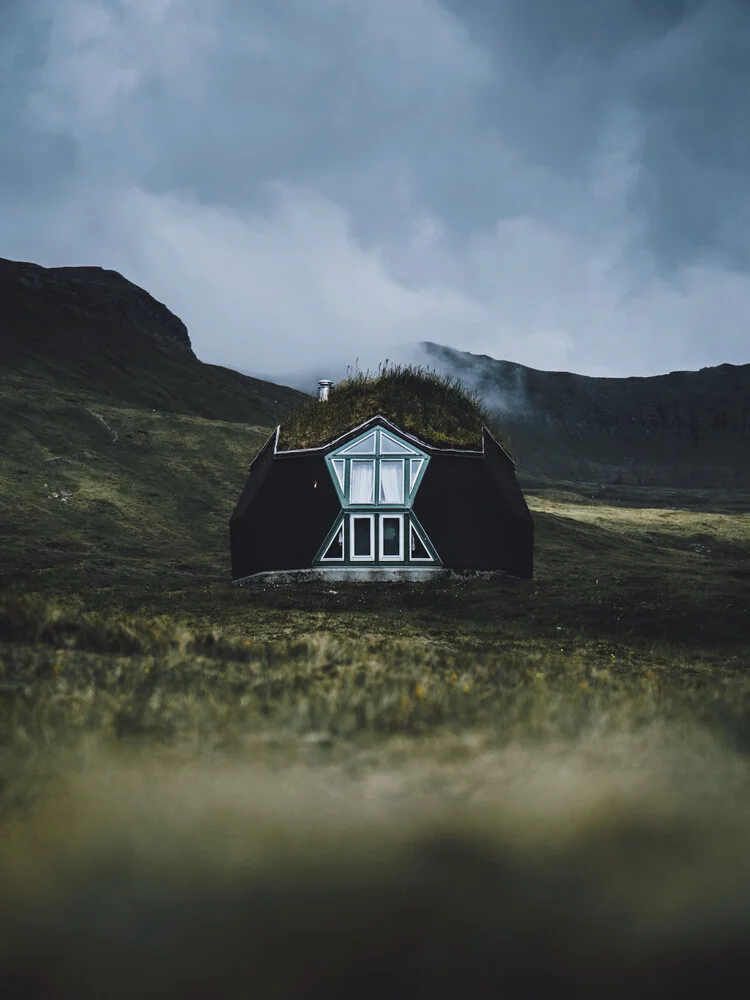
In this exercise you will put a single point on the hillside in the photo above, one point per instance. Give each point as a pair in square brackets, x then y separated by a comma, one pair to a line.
[470, 788]
[88, 330]
[681, 429]
[121, 449]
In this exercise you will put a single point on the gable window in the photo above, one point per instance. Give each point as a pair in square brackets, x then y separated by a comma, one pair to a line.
[376, 477]
[362, 485]
[391, 481]
[362, 537]
[377, 469]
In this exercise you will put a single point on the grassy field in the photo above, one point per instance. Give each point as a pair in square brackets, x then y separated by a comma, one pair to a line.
[438, 409]
[479, 788]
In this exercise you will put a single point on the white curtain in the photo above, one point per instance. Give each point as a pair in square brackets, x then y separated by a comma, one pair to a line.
[362, 482]
[391, 481]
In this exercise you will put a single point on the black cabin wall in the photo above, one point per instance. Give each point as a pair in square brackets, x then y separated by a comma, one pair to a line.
[502, 470]
[286, 521]
[519, 537]
[464, 513]
[259, 469]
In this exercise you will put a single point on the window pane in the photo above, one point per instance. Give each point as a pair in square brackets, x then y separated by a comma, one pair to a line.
[418, 550]
[336, 549]
[364, 447]
[416, 464]
[362, 488]
[338, 468]
[389, 446]
[391, 528]
[362, 536]
[391, 481]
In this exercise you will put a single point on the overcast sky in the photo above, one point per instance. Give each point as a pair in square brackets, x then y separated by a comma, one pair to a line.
[564, 184]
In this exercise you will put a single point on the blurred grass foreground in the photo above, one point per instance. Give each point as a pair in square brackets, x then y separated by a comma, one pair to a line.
[191, 813]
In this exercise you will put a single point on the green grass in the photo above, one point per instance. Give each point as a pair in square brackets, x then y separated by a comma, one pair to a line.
[436, 408]
[94, 494]
[474, 788]
[629, 584]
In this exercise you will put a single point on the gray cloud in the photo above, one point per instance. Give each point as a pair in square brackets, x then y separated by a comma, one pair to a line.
[682, 66]
[565, 185]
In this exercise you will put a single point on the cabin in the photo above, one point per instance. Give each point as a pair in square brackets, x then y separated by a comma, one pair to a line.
[377, 501]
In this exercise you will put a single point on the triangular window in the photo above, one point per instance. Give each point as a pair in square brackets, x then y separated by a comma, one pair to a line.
[365, 446]
[338, 467]
[335, 551]
[390, 446]
[416, 466]
[417, 548]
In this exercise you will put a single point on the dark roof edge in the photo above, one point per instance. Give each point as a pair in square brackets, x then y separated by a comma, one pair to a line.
[505, 452]
[360, 428]
[274, 436]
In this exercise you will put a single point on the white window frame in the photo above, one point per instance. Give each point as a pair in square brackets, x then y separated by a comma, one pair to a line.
[342, 557]
[342, 480]
[413, 477]
[352, 556]
[391, 503]
[423, 559]
[350, 450]
[381, 556]
[397, 447]
[348, 494]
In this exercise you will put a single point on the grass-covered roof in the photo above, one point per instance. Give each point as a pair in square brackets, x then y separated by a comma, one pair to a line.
[438, 409]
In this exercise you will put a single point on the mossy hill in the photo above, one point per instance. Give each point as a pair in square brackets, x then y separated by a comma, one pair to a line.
[437, 409]
[684, 429]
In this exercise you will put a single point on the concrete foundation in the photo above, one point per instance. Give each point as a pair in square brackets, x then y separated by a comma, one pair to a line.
[364, 574]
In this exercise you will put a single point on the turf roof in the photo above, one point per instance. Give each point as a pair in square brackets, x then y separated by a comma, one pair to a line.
[438, 409]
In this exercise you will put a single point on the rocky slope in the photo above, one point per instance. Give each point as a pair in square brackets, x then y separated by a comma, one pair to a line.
[88, 329]
[681, 429]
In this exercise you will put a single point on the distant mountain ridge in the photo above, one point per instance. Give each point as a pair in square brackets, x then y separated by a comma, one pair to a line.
[92, 330]
[686, 428]
[94, 290]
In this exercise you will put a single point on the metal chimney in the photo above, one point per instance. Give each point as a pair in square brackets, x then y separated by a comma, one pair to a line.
[324, 387]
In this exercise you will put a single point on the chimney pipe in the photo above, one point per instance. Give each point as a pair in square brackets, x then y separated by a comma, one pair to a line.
[324, 387]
